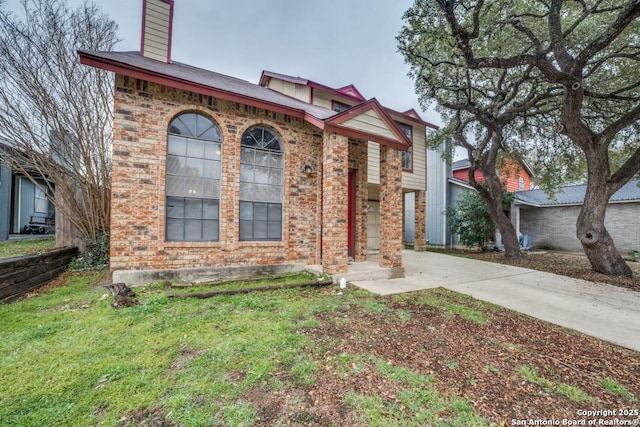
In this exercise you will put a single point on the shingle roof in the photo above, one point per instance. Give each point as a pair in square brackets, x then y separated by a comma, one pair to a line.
[211, 79]
[574, 195]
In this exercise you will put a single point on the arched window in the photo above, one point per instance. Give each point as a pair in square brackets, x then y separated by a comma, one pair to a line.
[520, 184]
[261, 184]
[193, 179]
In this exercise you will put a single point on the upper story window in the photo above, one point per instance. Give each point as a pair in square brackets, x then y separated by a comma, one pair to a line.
[521, 184]
[194, 149]
[339, 107]
[407, 156]
[261, 185]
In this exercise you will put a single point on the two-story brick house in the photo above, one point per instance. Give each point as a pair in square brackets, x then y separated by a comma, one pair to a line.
[211, 172]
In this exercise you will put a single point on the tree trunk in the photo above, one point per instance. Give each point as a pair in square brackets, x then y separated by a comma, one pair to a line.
[596, 240]
[495, 208]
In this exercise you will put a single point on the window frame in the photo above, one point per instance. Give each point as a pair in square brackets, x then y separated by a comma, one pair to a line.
[267, 166]
[205, 137]
[409, 152]
[341, 106]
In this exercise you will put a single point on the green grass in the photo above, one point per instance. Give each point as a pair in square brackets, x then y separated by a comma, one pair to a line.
[453, 304]
[617, 389]
[14, 248]
[573, 393]
[68, 358]
[417, 404]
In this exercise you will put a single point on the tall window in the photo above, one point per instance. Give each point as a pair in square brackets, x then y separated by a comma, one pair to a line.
[407, 156]
[193, 179]
[261, 184]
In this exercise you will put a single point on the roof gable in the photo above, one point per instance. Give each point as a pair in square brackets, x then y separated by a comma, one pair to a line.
[350, 91]
[371, 120]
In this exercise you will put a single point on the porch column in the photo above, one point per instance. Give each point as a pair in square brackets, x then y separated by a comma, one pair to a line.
[391, 210]
[420, 240]
[335, 184]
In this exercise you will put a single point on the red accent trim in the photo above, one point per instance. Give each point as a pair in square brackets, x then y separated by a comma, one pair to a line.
[350, 88]
[410, 114]
[299, 80]
[356, 134]
[131, 71]
[372, 104]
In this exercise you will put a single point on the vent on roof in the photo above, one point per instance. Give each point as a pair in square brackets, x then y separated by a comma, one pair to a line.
[157, 16]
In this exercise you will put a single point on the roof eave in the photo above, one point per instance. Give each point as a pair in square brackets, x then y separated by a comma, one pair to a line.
[118, 67]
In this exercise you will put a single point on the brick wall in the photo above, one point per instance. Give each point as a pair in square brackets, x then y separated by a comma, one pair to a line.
[555, 227]
[143, 111]
[358, 161]
[391, 208]
[335, 158]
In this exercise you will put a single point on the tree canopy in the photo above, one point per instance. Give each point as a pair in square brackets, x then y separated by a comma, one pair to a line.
[556, 81]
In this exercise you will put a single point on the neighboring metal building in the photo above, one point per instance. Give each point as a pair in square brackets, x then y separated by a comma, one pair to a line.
[551, 221]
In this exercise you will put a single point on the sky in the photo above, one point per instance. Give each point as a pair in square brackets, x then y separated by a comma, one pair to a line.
[332, 42]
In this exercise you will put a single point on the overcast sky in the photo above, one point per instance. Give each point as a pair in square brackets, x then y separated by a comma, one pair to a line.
[333, 42]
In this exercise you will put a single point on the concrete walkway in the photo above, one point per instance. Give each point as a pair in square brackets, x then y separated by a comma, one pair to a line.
[603, 311]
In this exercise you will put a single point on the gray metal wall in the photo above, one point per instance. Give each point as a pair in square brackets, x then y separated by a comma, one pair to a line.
[437, 197]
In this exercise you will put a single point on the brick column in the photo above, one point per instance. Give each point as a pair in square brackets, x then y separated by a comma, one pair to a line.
[420, 241]
[335, 168]
[391, 210]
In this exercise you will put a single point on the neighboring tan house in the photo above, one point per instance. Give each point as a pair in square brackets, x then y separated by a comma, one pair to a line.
[550, 222]
[24, 207]
[211, 172]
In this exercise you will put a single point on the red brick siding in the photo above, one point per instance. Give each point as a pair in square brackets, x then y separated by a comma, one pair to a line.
[335, 158]
[391, 207]
[143, 111]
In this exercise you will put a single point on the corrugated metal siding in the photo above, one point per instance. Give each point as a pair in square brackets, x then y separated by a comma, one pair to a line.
[437, 198]
[156, 30]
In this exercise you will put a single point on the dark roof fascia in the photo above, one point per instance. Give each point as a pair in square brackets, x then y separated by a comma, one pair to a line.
[410, 115]
[87, 58]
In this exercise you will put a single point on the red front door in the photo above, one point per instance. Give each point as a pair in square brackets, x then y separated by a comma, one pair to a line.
[351, 216]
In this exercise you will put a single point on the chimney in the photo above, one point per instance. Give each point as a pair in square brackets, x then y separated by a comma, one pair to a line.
[157, 22]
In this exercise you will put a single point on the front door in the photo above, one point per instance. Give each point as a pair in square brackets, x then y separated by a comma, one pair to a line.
[351, 220]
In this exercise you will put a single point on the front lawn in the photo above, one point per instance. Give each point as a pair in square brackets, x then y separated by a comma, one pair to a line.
[295, 357]
[29, 246]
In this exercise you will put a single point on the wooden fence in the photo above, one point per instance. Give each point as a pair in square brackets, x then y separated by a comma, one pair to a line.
[23, 274]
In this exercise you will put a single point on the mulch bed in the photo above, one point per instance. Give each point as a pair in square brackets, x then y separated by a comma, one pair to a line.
[479, 362]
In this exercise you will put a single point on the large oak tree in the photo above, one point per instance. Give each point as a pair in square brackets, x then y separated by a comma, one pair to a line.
[580, 61]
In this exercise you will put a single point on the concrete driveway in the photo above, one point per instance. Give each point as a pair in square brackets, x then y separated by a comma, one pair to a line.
[603, 311]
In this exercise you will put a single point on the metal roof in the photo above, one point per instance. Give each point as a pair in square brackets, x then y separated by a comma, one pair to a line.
[574, 195]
